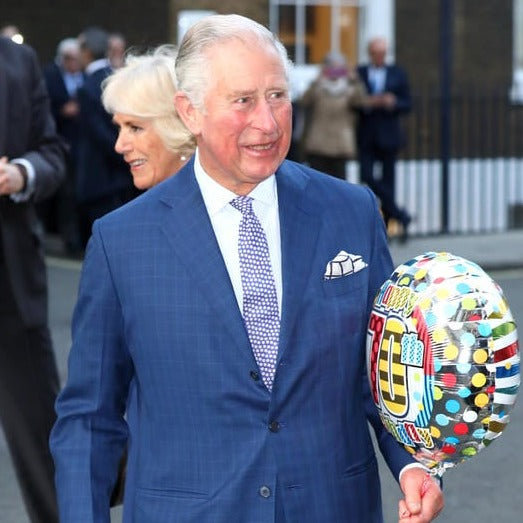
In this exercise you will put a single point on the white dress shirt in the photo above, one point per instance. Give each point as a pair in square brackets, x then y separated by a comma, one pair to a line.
[377, 77]
[96, 65]
[225, 220]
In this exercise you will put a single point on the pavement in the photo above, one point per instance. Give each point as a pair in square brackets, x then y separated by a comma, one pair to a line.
[480, 491]
[491, 251]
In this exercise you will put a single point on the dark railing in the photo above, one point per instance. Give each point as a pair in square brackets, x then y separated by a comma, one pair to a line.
[485, 123]
[484, 189]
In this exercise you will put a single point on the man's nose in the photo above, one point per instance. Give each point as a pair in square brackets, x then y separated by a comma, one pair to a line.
[263, 117]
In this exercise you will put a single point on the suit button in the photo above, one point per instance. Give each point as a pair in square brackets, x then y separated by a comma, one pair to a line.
[274, 426]
[265, 491]
[254, 375]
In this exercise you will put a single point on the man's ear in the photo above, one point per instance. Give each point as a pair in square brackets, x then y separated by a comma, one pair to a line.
[188, 113]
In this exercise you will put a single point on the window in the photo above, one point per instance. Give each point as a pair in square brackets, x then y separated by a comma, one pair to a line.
[311, 28]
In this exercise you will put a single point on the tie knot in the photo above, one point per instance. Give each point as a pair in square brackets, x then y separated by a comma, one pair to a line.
[242, 204]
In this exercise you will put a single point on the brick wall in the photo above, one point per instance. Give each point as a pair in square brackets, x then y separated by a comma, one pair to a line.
[44, 24]
[482, 30]
[482, 41]
[148, 23]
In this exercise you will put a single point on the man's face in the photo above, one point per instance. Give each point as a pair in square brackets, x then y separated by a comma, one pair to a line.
[244, 131]
[71, 61]
[378, 52]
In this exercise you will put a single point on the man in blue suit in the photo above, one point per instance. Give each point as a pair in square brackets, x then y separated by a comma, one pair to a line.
[220, 432]
[379, 132]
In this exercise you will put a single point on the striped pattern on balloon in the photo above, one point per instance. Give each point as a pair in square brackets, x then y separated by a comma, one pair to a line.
[443, 358]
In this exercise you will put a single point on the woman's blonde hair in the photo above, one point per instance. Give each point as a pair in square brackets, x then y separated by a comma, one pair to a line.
[144, 88]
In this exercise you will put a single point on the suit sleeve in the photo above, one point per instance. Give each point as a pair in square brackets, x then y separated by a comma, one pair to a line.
[90, 432]
[394, 454]
[402, 92]
[45, 149]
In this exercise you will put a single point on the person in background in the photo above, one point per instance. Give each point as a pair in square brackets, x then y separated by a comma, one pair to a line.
[10, 31]
[116, 49]
[103, 182]
[32, 167]
[216, 294]
[329, 106]
[151, 137]
[63, 78]
[380, 137]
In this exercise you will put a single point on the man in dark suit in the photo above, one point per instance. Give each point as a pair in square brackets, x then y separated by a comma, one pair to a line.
[63, 78]
[103, 181]
[242, 330]
[380, 137]
[32, 166]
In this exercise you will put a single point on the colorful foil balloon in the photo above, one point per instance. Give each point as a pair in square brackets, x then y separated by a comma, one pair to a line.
[443, 358]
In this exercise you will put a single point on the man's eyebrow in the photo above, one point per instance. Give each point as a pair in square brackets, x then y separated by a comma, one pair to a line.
[242, 92]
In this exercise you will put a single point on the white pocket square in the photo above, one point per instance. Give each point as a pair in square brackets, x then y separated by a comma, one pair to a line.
[343, 265]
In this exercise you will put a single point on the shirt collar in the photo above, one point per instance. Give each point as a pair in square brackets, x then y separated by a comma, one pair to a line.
[216, 196]
[96, 65]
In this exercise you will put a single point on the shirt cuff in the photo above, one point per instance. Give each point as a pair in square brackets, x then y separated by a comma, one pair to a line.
[419, 466]
[24, 195]
[412, 466]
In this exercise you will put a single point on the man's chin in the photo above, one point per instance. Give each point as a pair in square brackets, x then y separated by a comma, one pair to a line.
[260, 169]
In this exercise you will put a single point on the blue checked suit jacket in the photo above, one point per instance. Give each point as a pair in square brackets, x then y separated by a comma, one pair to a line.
[156, 308]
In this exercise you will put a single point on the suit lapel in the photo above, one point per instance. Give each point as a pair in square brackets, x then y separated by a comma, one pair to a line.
[189, 230]
[299, 228]
[196, 245]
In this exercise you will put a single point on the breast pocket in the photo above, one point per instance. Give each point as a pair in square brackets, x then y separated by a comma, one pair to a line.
[346, 284]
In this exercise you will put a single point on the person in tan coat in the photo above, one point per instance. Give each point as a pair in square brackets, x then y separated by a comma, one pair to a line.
[329, 104]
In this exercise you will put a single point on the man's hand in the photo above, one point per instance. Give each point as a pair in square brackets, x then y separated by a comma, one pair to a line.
[381, 101]
[70, 109]
[423, 497]
[11, 178]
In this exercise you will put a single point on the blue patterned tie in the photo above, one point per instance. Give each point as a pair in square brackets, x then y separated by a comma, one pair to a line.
[260, 303]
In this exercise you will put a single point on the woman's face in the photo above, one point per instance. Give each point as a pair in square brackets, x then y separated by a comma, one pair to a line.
[149, 160]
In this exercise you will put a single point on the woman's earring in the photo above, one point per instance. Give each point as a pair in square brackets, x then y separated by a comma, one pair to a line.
[183, 158]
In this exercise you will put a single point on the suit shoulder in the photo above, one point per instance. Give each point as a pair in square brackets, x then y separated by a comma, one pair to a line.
[51, 70]
[328, 189]
[132, 211]
[398, 70]
[333, 191]
[18, 52]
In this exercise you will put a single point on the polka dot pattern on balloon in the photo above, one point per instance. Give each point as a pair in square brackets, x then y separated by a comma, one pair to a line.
[451, 393]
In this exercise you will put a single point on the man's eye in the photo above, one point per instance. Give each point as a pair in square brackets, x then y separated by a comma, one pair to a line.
[277, 95]
[242, 100]
[135, 128]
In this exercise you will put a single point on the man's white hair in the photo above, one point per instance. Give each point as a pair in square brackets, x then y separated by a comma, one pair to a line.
[67, 45]
[192, 66]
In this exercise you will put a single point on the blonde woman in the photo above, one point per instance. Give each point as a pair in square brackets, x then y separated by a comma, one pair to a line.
[140, 96]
